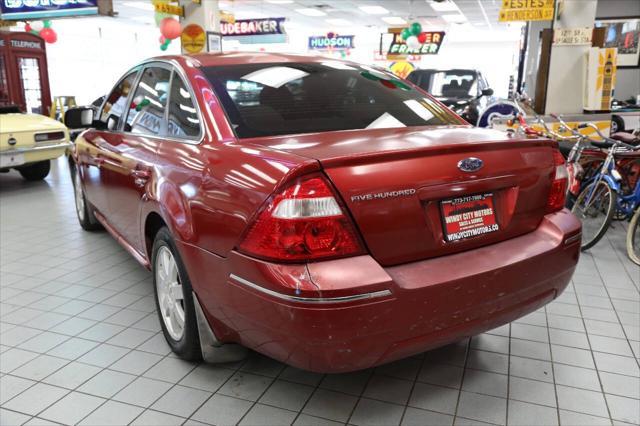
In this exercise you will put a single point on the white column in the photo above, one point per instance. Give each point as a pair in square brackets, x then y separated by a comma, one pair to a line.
[566, 68]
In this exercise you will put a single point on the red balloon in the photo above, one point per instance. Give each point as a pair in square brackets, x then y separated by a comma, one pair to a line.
[170, 28]
[27, 28]
[49, 35]
[422, 37]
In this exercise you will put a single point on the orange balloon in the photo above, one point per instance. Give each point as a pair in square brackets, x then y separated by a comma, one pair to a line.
[170, 28]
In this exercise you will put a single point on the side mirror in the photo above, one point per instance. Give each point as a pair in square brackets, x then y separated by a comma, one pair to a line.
[487, 92]
[79, 118]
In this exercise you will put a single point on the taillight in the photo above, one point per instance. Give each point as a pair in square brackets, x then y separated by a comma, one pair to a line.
[558, 191]
[43, 137]
[303, 222]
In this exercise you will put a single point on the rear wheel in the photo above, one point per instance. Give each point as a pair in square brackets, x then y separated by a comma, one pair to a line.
[174, 298]
[595, 207]
[633, 238]
[35, 171]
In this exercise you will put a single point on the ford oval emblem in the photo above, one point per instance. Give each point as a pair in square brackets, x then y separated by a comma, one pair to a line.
[471, 164]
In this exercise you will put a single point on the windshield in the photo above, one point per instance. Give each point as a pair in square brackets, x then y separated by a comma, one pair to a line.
[290, 98]
[447, 84]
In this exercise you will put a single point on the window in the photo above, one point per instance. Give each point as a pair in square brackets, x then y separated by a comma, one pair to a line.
[30, 77]
[116, 102]
[289, 98]
[4, 84]
[146, 110]
[183, 117]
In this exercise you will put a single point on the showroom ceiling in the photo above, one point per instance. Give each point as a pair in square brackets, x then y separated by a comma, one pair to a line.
[347, 13]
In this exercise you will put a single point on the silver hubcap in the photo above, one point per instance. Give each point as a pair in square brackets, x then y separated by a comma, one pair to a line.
[79, 196]
[169, 291]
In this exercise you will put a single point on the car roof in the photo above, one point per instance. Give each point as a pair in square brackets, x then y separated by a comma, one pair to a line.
[425, 70]
[234, 58]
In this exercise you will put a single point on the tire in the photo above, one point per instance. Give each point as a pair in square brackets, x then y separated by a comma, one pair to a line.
[617, 124]
[170, 282]
[633, 238]
[84, 210]
[35, 171]
[601, 209]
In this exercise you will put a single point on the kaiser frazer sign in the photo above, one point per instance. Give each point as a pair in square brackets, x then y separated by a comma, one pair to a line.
[337, 42]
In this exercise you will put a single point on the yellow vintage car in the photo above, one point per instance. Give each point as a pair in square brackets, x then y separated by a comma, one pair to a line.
[28, 143]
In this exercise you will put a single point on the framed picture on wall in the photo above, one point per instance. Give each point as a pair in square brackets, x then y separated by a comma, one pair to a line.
[214, 42]
[623, 33]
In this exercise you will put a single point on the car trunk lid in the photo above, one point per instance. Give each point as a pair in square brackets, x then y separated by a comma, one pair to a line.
[401, 185]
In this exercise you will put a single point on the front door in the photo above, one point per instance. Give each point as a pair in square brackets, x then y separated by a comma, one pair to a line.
[93, 146]
[130, 153]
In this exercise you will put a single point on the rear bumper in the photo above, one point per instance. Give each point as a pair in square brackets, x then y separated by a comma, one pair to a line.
[402, 310]
[18, 156]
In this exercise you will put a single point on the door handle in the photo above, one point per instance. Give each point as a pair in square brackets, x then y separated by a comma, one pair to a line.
[141, 176]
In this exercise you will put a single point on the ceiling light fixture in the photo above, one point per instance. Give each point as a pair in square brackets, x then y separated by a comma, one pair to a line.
[443, 6]
[280, 1]
[394, 20]
[374, 10]
[339, 22]
[454, 19]
[310, 12]
[139, 5]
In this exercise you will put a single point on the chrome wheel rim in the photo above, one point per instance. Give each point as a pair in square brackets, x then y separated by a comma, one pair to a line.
[79, 196]
[169, 293]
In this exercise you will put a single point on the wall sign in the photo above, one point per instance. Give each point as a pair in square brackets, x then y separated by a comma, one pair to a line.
[431, 45]
[526, 10]
[253, 27]
[38, 9]
[337, 42]
[214, 42]
[171, 9]
[193, 38]
[572, 36]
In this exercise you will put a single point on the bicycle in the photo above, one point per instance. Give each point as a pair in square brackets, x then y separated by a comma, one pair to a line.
[633, 238]
[602, 195]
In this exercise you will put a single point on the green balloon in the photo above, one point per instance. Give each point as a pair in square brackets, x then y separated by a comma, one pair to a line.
[163, 47]
[415, 28]
[47, 23]
[406, 33]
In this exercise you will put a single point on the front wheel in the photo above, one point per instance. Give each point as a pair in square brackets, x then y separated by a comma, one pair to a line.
[595, 207]
[84, 211]
[633, 238]
[174, 298]
[35, 171]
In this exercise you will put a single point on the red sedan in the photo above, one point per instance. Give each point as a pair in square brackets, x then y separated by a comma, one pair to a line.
[321, 212]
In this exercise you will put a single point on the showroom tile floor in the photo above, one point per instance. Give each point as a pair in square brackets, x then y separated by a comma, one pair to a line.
[80, 343]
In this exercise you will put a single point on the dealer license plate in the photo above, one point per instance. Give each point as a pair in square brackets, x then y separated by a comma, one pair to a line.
[11, 160]
[468, 216]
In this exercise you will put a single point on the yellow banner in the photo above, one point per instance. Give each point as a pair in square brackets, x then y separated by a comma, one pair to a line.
[168, 8]
[528, 4]
[507, 15]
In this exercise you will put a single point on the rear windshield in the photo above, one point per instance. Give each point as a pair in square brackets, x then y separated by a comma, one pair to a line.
[446, 84]
[290, 98]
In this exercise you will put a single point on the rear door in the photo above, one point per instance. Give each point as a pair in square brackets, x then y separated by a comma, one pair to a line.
[129, 156]
[93, 145]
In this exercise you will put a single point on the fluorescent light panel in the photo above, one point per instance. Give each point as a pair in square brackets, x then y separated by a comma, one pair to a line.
[455, 18]
[280, 1]
[394, 20]
[445, 6]
[339, 22]
[310, 12]
[374, 10]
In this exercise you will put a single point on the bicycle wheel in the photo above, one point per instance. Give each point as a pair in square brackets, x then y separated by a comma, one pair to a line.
[633, 238]
[595, 211]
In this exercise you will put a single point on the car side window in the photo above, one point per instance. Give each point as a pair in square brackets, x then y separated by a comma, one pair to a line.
[116, 103]
[183, 116]
[145, 113]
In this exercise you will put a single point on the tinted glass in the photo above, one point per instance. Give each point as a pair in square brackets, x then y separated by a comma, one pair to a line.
[183, 117]
[290, 98]
[116, 102]
[453, 84]
[147, 108]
